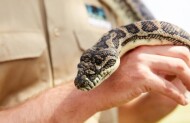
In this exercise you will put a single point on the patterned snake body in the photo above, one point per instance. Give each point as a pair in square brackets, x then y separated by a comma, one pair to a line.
[100, 61]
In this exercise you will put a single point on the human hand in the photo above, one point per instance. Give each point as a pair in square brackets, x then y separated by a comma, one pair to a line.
[150, 107]
[142, 71]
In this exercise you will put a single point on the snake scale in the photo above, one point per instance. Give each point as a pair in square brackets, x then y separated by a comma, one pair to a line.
[101, 60]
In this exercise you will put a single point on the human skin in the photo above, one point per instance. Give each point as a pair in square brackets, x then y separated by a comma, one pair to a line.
[148, 108]
[151, 107]
[142, 70]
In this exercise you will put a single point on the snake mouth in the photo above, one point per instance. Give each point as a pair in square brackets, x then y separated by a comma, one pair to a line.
[88, 84]
[85, 84]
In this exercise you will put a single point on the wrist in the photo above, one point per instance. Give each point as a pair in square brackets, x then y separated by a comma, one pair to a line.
[112, 93]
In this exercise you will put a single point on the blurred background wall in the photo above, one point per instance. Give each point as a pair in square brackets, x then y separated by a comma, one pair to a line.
[174, 11]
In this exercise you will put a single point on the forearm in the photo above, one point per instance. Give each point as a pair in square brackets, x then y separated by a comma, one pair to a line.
[66, 104]
[147, 109]
[63, 103]
[29, 112]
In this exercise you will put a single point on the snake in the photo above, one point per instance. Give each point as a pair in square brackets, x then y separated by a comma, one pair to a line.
[101, 60]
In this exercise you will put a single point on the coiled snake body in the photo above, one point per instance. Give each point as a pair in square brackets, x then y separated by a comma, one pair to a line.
[100, 61]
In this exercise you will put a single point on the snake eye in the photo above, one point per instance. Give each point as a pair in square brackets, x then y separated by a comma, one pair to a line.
[98, 59]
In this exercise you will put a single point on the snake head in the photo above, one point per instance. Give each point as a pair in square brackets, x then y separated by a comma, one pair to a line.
[95, 66]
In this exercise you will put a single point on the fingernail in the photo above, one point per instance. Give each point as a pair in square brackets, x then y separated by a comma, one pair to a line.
[184, 102]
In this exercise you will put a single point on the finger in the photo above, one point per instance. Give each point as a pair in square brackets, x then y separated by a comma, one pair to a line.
[178, 83]
[170, 65]
[181, 52]
[162, 86]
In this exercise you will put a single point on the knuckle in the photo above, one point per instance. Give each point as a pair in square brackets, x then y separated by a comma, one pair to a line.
[184, 52]
[140, 73]
[143, 72]
[181, 65]
[140, 57]
[168, 90]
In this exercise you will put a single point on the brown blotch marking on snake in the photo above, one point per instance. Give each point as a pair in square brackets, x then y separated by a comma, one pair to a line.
[184, 34]
[132, 28]
[119, 34]
[102, 41]
[149, 26]
[168, 28]
[115, 40]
